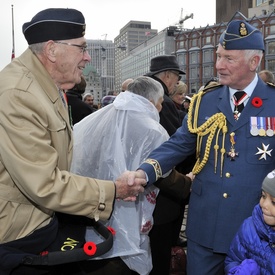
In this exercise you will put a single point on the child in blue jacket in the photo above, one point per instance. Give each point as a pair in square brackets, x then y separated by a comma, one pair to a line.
[252, 250]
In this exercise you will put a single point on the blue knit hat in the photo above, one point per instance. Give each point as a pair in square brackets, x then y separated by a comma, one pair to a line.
[269, 183]
[240, 35]
[54, 24]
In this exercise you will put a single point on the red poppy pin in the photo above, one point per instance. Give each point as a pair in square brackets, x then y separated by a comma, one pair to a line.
[257, 102]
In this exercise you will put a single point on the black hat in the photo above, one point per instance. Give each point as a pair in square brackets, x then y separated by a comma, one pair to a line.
[268, 184]
[164, 63]
[54, 24]
[240, 35]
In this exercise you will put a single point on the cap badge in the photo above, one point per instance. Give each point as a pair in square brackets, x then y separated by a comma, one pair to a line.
[243, 30]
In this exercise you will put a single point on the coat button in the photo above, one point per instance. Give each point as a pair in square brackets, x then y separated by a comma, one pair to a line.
[227, 175]
[225, 195]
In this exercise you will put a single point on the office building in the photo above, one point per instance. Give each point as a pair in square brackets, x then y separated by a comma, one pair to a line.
[130, 36]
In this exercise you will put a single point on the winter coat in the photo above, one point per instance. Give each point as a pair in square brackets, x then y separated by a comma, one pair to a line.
[255, 240]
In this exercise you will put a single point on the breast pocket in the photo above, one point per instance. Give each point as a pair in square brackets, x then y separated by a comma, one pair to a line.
[61, 136]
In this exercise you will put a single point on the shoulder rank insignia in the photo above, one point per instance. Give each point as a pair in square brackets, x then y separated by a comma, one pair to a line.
[211, 86]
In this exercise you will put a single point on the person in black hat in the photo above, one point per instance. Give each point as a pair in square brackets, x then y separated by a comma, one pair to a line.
[234, 142]
[36, 147]
[165, 69]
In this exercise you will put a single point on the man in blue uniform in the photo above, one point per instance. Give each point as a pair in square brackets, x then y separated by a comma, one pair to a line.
[234, 140]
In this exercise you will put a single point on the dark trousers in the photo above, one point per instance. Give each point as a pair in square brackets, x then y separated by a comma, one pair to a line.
[203, 261]
[162, 238]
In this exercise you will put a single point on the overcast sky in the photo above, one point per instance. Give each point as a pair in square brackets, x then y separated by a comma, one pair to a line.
[104, 18]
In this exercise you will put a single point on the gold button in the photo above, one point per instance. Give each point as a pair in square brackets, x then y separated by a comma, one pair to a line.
[225, 195]
[227, 175]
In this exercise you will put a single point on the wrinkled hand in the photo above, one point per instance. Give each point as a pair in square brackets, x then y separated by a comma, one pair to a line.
[130, 184]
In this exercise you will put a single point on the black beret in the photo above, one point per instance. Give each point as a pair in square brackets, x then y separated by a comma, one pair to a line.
[54, 24]
[240, 35]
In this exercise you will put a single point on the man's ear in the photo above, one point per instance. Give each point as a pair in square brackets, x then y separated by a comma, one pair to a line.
[50, 50]
[254, 62]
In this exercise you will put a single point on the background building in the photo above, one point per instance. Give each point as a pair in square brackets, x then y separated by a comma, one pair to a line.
[130, 36]
[130, 54]
[137, 62]
[225, 9]
[196, 49]
[100, 72]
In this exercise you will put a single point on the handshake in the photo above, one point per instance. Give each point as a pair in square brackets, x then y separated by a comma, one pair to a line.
[130, 184]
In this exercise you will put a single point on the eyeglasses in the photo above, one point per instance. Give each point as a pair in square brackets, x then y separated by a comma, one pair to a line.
[179, 76]
[82, 47]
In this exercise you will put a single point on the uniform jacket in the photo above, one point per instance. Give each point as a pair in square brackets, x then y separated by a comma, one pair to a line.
[255, 240]
[217, 202]
[35, 154]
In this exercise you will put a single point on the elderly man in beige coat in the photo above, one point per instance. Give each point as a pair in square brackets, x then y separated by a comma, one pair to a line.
[36, 136]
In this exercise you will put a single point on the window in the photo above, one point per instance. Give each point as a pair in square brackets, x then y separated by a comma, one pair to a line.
[207, 40]
[272, 29]
[208, 56]
[207, 72]
[194, 73]
[194, 42]
[182, 59]
[259, 2]
[193, 57]
[271, 48]
[271, 65]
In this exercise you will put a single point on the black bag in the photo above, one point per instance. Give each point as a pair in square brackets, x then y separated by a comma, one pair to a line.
[60, 242]
[178, 261]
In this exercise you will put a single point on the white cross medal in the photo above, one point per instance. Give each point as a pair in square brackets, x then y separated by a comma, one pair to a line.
[264, 152]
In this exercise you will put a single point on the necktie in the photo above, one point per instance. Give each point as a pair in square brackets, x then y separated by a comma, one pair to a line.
[238, 99]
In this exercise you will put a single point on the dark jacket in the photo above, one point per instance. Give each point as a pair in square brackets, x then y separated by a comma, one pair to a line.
[76, 107]
[169, 115]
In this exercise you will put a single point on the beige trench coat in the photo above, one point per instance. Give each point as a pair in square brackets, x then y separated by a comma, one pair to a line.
[35, 155]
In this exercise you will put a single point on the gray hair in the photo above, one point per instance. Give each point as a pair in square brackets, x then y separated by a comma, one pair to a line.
[147, 87]
[37, 48]
[250, 53]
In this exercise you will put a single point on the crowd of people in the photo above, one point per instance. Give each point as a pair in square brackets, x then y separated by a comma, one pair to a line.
[70, 171]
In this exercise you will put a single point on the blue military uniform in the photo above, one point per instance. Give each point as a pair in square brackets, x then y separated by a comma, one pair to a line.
[240, 176]
[218, 198]
[234, 156]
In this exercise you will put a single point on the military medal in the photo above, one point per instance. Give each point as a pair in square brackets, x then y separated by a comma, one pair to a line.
[254, 131]
[269, 131]
[264, 152]
[262, 126]
[232, 153]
